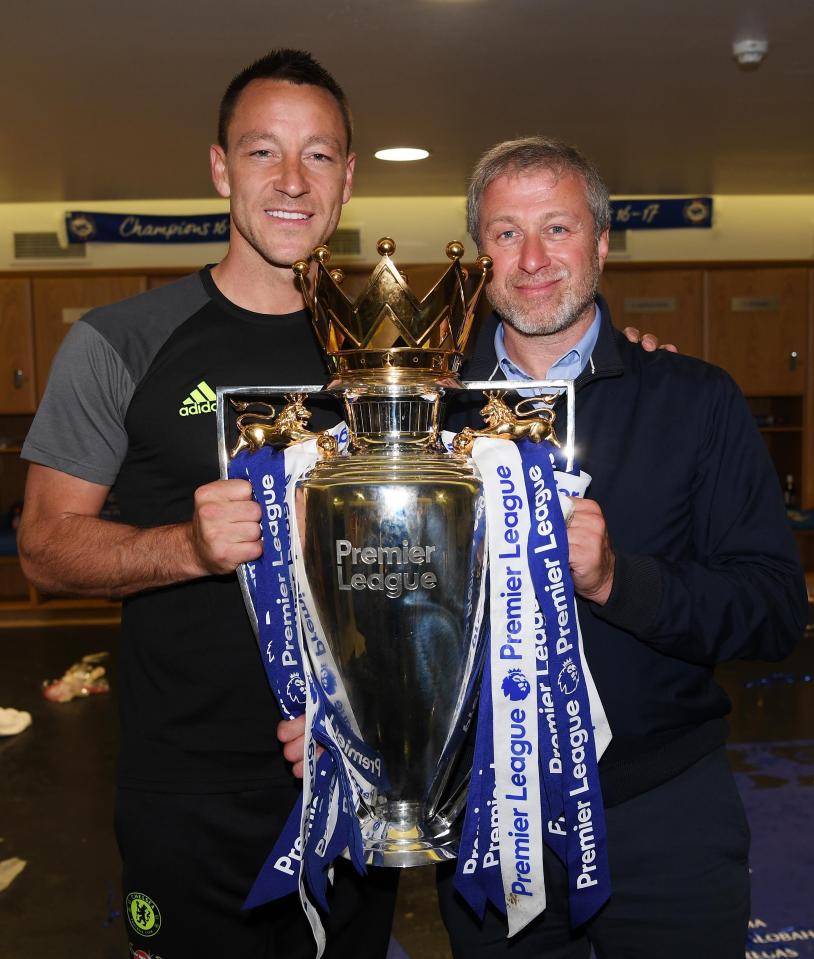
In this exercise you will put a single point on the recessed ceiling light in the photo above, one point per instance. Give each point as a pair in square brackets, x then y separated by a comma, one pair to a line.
[402, 153]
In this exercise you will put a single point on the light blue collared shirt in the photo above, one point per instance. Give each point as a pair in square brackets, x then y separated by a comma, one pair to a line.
[567, 367]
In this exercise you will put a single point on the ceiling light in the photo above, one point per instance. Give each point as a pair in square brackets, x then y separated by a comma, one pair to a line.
[402, 153]
[750, 53]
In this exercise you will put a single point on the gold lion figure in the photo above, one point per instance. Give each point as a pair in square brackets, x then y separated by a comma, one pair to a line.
[289, 426]
[505, 423]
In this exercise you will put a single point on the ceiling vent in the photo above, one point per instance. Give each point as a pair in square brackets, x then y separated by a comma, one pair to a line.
[45, 246]
[346, 243]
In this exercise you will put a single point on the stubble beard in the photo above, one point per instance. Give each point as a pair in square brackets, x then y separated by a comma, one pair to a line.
[253, 235]
[554, 318]
[265, 249]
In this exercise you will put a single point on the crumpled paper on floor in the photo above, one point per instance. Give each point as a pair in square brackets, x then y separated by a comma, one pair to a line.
[85, 678]
[9, 870]
[13, 721]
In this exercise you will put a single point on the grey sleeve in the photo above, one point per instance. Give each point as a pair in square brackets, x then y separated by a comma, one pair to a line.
[79, 426]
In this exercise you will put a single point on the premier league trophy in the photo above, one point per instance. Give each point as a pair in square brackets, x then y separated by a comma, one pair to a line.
[409, 575]
[387, 539]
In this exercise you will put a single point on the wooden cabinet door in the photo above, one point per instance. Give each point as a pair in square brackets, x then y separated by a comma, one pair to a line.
[668, 303]
[60, 301]
[17, 384]
[758, 320]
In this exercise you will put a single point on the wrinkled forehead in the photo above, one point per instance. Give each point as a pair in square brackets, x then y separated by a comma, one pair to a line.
[540, 176]
[534, 191]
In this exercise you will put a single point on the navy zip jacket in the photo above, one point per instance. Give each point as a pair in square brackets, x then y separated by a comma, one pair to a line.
[706, 566]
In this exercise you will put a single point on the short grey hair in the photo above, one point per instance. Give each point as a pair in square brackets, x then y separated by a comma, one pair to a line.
[532, 153]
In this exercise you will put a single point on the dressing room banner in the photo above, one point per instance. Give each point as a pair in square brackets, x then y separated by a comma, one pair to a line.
[84, 227]
[660, 214]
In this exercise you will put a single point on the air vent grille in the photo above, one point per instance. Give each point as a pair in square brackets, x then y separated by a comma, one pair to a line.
[346, 243]
[618, 241]
[45, 246]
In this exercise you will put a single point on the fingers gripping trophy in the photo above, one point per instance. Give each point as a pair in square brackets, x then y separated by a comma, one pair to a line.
[371, 598]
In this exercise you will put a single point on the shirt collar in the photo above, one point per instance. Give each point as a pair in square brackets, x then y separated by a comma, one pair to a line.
[567, 367]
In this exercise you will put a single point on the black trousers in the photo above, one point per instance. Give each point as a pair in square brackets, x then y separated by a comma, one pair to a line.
[679, 876]
[190, 860]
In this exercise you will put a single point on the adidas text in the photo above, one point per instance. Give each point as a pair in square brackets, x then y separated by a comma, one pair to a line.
[195, 408]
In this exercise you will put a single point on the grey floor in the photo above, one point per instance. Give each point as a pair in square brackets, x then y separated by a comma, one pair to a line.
[56, 796]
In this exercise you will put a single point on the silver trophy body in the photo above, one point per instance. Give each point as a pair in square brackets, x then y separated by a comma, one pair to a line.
[390, 536]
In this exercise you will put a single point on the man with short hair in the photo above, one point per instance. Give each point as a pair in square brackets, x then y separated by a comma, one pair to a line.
[681, 558]
[203, 788]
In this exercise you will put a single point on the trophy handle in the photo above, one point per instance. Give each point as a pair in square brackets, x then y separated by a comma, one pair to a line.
[551, 387]
[505, 423]
[243, 399]
[286, 427]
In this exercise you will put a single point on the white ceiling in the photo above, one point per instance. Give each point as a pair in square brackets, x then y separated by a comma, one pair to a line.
[111, 100]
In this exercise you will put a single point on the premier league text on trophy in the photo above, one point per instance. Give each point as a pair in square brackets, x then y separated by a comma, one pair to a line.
[392, 583]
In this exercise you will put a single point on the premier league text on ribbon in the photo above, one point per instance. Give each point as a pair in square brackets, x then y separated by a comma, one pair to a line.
[580, 785]
[277, 559]
[519, 792]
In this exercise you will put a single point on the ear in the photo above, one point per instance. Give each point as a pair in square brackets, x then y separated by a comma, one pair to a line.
[602, 248]
[349, 169]
[219, 169]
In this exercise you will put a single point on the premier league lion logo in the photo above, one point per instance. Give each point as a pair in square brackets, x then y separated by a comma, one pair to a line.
[568, 680]
[515, 686]
[296, 687]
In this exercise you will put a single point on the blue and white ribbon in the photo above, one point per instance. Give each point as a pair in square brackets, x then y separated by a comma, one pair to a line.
[269, 577]
[541, 726]
[323, 823]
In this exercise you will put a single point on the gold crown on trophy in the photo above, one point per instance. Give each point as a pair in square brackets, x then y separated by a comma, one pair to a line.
[387, 326]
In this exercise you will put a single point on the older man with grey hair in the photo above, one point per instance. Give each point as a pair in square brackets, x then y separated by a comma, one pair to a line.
[681, 559]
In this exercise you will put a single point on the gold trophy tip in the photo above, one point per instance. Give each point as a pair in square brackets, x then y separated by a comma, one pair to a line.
[455, 250]
[386, 246]
[337, 276]
[485, 263]
[300, 268]
[322, 253]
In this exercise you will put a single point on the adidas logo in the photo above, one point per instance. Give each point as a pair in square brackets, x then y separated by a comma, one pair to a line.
[201, 400]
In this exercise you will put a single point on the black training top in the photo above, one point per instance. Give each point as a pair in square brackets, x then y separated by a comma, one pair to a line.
[130, 402]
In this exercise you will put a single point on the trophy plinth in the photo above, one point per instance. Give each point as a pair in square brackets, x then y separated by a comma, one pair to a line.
[403, 836]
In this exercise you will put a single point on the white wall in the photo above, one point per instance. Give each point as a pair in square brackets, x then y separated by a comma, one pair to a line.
[746, 228]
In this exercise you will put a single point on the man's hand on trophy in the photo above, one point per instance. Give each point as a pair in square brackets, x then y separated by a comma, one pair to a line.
[291, 732]
[225, 528]
[591, 558]
[648, 341]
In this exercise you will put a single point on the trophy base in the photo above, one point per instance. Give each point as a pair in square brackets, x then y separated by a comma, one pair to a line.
[404, 838]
